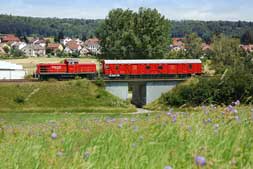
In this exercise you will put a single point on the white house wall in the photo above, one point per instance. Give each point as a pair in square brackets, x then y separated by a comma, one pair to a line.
[12, 74]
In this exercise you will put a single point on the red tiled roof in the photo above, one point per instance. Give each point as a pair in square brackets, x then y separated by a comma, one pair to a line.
[92, 41]
[10, 38]
[248, 48]
[53, 45]
[72, 45]
[177, 41]
[205, 46]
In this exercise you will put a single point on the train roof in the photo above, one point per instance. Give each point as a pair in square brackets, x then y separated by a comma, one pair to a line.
[154, 61]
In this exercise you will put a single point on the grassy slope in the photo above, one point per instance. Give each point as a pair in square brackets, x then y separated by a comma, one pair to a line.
[71, 96]
[148, 142]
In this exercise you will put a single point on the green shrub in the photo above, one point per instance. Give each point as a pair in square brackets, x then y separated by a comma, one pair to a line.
[236, 85]
[19, 100]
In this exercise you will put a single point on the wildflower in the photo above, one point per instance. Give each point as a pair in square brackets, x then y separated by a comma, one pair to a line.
[200, 161]
[86, 155]
[174, 118]
[59, 153]
[141, 138]
[189, 128]
[120, 125]
[134, 145]
[209, 120]
[135, 128]
[237, 103]
[53, 135]
[133, 120]
[167, 167]
[237, 118]
[216, 126]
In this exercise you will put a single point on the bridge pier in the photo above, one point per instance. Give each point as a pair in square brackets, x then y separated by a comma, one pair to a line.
[119, 89]
[143, 92]
[155, 89]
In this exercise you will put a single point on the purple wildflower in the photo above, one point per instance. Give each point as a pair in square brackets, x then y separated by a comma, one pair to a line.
[53, 135]
[237, 103]
[174, 118]
[167, 167]
[200, 161]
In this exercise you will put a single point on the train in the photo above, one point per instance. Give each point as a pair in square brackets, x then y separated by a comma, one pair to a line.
[121, 69]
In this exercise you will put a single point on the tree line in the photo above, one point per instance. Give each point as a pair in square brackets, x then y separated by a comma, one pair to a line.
[84, 28]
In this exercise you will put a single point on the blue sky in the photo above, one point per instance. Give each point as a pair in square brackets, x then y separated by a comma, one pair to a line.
[98, 9]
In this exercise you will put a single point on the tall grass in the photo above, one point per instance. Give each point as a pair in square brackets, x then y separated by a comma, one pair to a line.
[152, 141]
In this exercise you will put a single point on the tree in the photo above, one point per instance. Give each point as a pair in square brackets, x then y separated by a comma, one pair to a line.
[59, 37]
[131, 35]
[227, 53]
[193, 46]
[247, 38]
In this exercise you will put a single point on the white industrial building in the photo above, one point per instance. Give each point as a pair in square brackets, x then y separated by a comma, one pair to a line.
[9, 71]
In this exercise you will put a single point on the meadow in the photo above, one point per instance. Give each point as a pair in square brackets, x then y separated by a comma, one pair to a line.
[218, 137]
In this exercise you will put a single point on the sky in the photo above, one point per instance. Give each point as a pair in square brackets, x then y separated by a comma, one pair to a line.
[232, 10]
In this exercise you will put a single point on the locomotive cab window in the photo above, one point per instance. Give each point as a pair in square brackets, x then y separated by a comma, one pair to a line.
[147, 66]
[190, 66]
[160, 67]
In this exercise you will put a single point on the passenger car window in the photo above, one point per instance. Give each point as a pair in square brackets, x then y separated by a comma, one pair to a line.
[160, 67]
[148, 67]
[190, 66]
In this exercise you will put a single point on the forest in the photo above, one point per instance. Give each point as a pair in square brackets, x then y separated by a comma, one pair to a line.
[83, 28]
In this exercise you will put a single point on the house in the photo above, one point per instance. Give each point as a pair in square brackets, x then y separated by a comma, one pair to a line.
[18, 45]
[65, 41]
[72, 47]
[206, 47]
[84, 51]
[34, 50]
[5, 47]
[2, 52]
[247, 48]
[9, 38]
[177, 44]
[93, 45]
[39, 41]
[54, 47]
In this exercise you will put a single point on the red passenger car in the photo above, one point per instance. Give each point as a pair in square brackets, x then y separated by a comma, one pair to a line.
[164, 68]
[69, 69]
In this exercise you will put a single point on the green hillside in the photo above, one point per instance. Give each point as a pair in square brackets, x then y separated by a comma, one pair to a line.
[71, 96]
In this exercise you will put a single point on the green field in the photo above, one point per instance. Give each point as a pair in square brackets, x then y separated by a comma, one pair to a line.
[150, 141]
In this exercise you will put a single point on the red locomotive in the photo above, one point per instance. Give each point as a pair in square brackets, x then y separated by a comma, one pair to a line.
[163, 68]
[69, 69]
[122, 69]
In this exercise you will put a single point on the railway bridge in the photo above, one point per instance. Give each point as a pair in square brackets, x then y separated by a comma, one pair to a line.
[144, 91]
